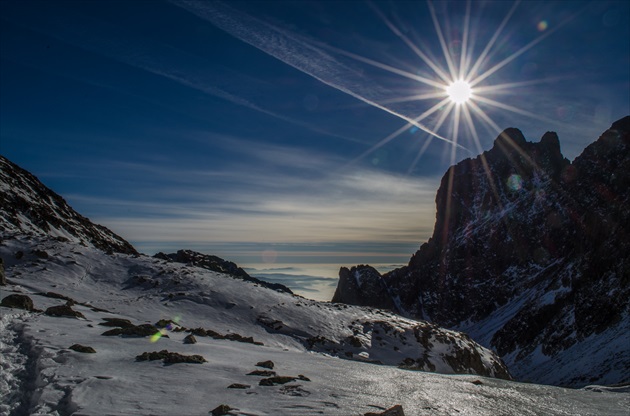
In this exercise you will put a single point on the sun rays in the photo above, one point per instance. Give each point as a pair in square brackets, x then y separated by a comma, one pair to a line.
[461, 83]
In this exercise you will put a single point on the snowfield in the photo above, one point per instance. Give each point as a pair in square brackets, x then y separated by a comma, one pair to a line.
[304, 339]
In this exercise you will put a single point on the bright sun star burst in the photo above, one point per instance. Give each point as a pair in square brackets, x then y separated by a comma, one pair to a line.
[459, 91]
[458, 86]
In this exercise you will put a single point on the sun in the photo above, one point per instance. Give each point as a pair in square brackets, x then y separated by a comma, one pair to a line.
[459, 92]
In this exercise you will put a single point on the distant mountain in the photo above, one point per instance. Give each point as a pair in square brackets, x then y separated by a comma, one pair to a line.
[28, 206]
[217, 264]
[530, 255]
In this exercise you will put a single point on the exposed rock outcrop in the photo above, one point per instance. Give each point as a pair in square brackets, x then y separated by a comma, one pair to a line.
[28, 206]
[530, 254]
[217, 264]
[363, 286]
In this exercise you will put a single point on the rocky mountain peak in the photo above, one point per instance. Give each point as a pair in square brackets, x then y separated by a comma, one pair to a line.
[530, 252]
[28, 206]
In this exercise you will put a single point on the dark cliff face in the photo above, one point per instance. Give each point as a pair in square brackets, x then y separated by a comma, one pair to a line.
[28, 206]
[362, 286]
[530, 251]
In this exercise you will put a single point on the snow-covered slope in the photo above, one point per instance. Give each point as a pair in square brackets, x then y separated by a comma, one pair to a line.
[42, 375]
[27, 206]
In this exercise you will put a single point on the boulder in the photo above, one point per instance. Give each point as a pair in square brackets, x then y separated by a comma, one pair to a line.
[82, 348]
[63, 310]
[265, 364]
[18, 302]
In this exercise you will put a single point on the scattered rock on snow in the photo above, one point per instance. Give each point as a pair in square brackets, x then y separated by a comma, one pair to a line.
[63, 310]
[190, 339]
[392, 411]
[271, 381]
[54, 295]
[263, 373]
[117, 322]
[18, 302]
[265, 364]
[82, 348]
[220, 410]
[238, 386]
[144, 330]
[170, 357]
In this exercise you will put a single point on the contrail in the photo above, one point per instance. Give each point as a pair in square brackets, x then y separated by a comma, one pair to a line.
[163, 62]
[292, 50]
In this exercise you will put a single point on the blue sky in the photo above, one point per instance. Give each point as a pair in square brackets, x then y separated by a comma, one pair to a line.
[291, 132]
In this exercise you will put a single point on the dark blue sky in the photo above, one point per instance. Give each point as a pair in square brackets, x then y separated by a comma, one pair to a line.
[249, 128]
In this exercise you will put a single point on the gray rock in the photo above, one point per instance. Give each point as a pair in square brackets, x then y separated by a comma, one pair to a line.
[83, 349]
[265, 364]
[392, 411]
[3, 276]
[63, 310]
[18, 302]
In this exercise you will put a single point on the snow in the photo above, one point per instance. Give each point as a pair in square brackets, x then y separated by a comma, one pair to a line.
[42, 376]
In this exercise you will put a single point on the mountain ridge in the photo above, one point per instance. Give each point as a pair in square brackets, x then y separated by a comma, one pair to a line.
[28, 206]
[529, 255]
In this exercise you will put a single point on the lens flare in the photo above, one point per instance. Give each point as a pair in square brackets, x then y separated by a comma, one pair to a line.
[515, 182]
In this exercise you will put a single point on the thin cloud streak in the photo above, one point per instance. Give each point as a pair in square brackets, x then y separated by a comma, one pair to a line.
[238, 205]
[294, 51]
[136, 54]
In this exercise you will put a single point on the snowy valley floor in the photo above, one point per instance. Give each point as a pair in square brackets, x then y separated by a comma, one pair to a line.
[42, 376]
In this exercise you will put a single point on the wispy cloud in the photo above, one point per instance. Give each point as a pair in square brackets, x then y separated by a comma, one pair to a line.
[300, 53]
[306, 199]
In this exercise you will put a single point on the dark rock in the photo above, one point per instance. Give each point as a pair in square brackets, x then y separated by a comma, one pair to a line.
[392, 411]
[265, 364]
[170, 357]
[166, 323]
[3, 277]
[144, 330]
[271, 381]
[63, 310]
[217, 264]
[18, 302]
[190, 339]
[41, 254]
[477, 382]
[263, 373]
[82, 348]
[221, 410]
[363, 286]
[238, 386]
[54, 295]
[303, 377]
[117, 322]
[354, 341]
[520, 228]
[27, 197]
